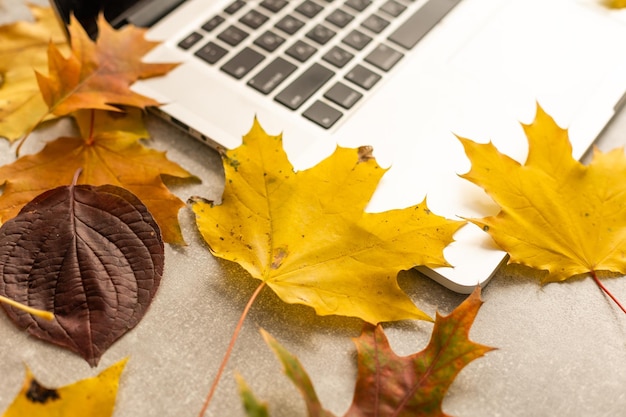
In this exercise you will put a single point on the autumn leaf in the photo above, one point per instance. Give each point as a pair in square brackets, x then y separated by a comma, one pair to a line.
[305, 234]
[23, 50]
[91, 255]
[92, 397]
[389, 385]
[556, 214]
[98, 75]
[109, 152]
[616, 4]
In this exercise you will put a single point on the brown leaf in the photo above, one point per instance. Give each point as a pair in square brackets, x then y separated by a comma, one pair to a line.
[91, 255]
[98, 75]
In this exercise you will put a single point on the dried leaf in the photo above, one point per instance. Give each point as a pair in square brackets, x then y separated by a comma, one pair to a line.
[92, 397]
[98, 75]
[616, 4]
[392, 386]
[23, 50]
[91, 255]
[306, 235]
[109, 152]
[556, 214]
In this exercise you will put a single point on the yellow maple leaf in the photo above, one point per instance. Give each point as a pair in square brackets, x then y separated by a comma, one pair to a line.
[108, 152]
[93, 397]
[306, 234]
[616, 4]
[23, 50]
[556, 214]
[98, 75]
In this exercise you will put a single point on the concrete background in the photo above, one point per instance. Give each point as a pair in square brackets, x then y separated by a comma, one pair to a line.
[561, 347]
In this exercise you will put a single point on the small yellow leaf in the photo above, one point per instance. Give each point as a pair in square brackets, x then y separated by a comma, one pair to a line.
[556, 214]
[92, 397]
[307, 236]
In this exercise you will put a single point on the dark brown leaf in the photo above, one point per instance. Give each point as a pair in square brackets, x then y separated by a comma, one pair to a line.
[91, 255]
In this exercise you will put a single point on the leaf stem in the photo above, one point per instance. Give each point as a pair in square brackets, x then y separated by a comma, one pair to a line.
[606, 291]
[35, 312]
[230, 348]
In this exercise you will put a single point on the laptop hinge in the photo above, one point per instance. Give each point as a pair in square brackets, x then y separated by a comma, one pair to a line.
[147, 13]
[620, 103]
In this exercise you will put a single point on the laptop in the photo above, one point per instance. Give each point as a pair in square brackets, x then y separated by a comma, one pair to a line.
[403, 76]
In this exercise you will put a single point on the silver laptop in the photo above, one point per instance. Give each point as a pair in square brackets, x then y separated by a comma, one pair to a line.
[404, 76]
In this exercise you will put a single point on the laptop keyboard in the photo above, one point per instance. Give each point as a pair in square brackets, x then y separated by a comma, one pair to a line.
[317, 57]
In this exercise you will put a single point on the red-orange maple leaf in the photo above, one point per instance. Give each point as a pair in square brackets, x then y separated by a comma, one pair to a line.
[98, 75]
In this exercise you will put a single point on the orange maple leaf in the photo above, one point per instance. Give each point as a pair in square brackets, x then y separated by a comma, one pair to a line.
[109, 152]
[98, 75]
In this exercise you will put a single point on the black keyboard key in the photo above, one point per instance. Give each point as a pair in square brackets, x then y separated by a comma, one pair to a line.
[274, 5]
[301, 51]
[421, 22]
[375, 23]
[303, 87]
[233, 35]
[235, 6]
[393, 8]
[383, 57]
[322, 114]
[321, 34]
[212, 23]
[253, 19]
[269, 41]
[358, 5]
[339, 18]
[337, 56]
[343, 95]
[211, 53]
[309, 9]
[271, 76]
[356, 39]
[289, 24]
[363, 77]
[192, 39]
[242, 63]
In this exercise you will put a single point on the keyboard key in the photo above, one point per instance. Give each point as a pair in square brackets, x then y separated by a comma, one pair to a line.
[363, 77]
[235, 6]
[212, 23]
[339, 18]
[358, 5]
[343, 95]
[383, 57]
[337, 56]
[322, 114]
[309, 9]
[269, 41]
[272, 75]
[321, 34]
[192, 39]
[303, 87]
[233, 35]
[289, 24]
[242, 63]
[274, 5]
[421, 22]
[211, 53]
[301, 51]
[375, 23]
[357, 40]
[253, 19]
[393, 8]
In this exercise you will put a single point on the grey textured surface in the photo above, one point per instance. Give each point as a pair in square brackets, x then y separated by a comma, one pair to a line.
[561, 347]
